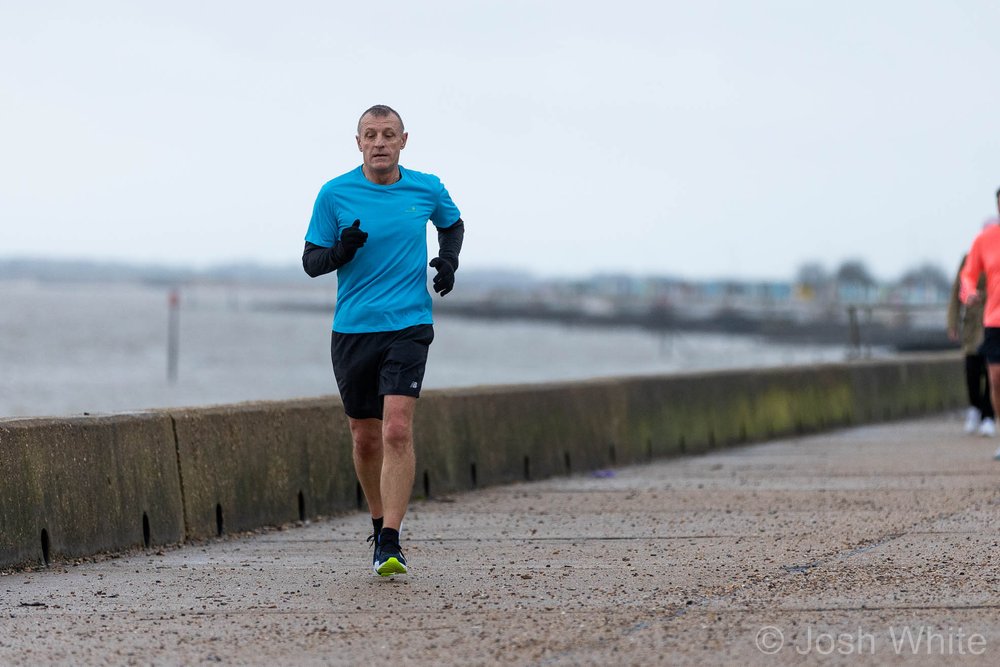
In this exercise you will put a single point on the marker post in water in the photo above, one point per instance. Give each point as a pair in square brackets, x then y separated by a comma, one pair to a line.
[173, 333]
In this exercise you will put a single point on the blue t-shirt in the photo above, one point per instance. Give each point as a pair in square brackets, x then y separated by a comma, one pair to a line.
[384, 288]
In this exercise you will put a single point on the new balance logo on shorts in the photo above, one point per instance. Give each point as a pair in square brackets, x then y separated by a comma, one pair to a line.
[414, 385]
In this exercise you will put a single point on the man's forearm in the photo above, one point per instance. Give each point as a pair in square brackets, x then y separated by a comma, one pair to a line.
[450, 242]
[317, 260]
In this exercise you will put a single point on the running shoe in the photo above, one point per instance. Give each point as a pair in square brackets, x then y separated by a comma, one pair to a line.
[988, 428]
[972, 419]
[389, 560]
[996, 457]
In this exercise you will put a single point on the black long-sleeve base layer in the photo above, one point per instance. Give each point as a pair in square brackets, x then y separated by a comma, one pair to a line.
[318, 260]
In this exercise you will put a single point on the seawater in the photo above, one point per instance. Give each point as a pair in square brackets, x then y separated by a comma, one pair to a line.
[86, 348]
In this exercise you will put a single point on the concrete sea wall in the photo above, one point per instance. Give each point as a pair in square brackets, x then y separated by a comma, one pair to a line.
[85, 485]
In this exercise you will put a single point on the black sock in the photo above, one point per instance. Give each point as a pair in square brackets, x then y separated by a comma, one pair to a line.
[388, 536]
[377, 525]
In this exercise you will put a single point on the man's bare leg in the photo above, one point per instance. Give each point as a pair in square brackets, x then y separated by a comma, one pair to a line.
[367, 437]
[994, 372]
[398, 458]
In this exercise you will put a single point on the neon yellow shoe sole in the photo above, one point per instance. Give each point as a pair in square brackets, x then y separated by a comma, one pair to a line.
[390, 567]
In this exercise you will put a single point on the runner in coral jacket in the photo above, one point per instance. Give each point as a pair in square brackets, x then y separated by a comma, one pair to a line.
[984, 258]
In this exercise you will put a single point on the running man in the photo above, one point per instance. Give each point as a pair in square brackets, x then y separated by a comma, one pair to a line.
[370, 226]
[984, 258]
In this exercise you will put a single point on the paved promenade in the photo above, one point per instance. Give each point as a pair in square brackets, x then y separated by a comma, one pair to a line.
[875, 545]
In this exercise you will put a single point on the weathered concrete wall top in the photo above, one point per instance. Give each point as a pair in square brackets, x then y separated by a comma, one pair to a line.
[84, 485]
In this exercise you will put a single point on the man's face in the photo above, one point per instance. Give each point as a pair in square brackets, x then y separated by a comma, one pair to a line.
[380, 138]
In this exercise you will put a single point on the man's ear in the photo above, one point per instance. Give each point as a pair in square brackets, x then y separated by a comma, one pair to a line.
[406, 136]
[357, 138]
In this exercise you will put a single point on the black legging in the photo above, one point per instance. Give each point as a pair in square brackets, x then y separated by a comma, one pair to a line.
[977, 380]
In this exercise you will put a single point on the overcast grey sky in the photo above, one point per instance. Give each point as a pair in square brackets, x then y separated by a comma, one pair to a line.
[701, 139]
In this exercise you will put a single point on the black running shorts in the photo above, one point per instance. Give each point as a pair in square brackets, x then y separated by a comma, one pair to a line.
[370, 365]
[990, 349]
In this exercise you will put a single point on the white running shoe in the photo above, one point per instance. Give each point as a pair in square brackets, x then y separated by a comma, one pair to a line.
[996, 457]
[988, 428]
[972, 419]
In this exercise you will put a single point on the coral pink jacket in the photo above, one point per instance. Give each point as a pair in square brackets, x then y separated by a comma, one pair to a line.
[984, 257]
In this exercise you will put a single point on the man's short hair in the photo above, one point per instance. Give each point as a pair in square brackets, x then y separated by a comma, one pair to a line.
[381, 111]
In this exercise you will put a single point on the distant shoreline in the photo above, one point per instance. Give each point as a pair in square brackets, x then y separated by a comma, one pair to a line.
[773, 328]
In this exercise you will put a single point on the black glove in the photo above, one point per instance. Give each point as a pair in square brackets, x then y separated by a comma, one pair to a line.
[351, 239]
[444, 281]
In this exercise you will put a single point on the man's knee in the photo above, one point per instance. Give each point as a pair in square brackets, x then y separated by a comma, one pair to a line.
[367, 438]
[397, 433]
[397, 425]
